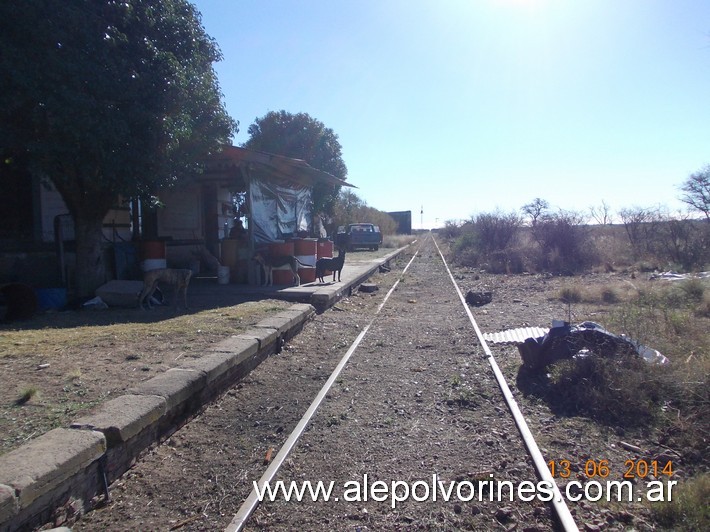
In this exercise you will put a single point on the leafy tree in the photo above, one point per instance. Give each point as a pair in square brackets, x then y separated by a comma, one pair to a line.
[302, 137]
[697, 191]
[106, 98]
[350, 208]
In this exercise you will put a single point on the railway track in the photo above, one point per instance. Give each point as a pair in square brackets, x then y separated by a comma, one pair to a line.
[479, 479]
[397, 391]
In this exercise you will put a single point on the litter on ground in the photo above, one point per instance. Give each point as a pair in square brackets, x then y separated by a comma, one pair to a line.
[540, 347]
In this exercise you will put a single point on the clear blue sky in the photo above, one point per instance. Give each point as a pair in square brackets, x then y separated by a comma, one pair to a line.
[465, 106]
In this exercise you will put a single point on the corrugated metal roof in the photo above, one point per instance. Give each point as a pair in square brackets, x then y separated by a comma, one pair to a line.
[515, 336]
[232, 157]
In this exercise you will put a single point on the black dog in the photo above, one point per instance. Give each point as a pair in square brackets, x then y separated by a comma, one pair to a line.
[334, 265]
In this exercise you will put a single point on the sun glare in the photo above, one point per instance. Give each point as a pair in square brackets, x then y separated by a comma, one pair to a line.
[521, 3]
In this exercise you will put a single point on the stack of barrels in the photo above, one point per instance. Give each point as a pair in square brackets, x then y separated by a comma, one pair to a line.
[282, 249]
[305, 250]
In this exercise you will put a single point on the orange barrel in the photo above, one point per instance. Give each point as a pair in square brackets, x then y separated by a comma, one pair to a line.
[153, 253]
[282, 249]
[306, 250]
[325, 248]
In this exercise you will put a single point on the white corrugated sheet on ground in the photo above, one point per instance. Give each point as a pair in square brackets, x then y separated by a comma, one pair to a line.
[515, 336]
[674, 276]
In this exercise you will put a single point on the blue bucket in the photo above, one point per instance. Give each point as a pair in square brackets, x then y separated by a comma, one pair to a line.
[51, 298]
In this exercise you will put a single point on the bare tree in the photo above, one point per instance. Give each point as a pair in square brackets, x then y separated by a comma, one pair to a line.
[697, 191]
[602, 213]
[633, 218]
[642, 225]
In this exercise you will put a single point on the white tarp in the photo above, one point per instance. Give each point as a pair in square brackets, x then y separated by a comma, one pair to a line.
[278, 211]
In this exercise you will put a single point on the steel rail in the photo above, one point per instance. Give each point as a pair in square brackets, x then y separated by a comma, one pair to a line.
[558, 503]
[252, 501]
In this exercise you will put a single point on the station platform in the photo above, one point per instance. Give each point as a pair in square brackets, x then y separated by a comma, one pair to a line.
[205, 292]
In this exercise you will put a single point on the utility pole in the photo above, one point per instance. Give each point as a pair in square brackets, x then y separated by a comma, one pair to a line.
[421, 221]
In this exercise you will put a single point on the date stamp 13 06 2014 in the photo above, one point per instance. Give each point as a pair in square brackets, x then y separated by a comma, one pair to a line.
[633, 469]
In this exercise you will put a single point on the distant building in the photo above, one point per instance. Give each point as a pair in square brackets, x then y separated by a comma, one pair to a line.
[404, 221]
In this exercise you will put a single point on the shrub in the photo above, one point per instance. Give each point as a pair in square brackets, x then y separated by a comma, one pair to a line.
[496, 231]
[488, 240]
[639, 226]
[465, 249]
[609, 295]
[564, 242]
[694, 289]
[451, 230]
[505, 261]
[616, 391]
[570, 294]
[676, 240]
[612, 247]
[703, 308]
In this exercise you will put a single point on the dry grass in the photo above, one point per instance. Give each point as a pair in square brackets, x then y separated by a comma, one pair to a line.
[59, 365]
[53, 335]
[613, 293]
[689, 509]
[673, 400]
[665, 316]
[26, 395]
[703, 308]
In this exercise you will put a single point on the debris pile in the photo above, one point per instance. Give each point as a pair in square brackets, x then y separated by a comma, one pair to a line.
[567, 341]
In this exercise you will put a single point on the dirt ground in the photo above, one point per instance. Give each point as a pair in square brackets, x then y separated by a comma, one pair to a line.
[417, 398]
